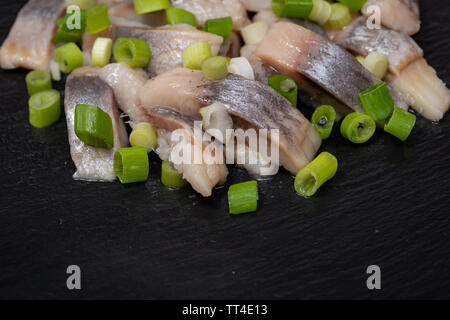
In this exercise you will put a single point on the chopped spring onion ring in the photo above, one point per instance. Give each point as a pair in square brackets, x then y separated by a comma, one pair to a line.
[242, 67]
[134, 52]
[254, 33]
[243, 197]
[131, 164]
[284, 86]
[355, 5]
[215, 68]
[216, 116]
[300, 9]
[93, 126]
[170, 177]
[358, 127]
[400, 124]
[101, 52]
[195, 54]
[38, 80]
[377, 63]
[44, 108]
[323, 120]
[221, 26]
[68, 57]
[83, 4]
[321, 11]
[66, 31]
[377, 101]
[340, 17]
[180, 16]
[62, 36]
[315, 174]
[360, 59]
[97, 18]
[143, 135]
[145, 6]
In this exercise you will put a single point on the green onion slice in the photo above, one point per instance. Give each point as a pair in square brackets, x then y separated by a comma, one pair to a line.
[97, 18]
[93, 126]
[315, 174]
[300, 9]
[355, 5]
[377, 101]
[278, 7]
[321, 11]
[340, 17]
[170, 177]
[145, 6]
[377, 63]
[68, 57]
[221, 26]
[243, 197]
[180, 16]
[195, 54]
[143, 135]
[400, 124]
[131, 164]
[134, 52]
[101, 52]
[44, 108]
[323, 120]
[358, 127]
[215, 68]
[284, 86]
[38, 80]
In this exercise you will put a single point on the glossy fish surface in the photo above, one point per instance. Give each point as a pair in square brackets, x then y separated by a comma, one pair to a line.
[83, 86]
[292, 49]
[251, 104]
[397, 46]
[28, 44]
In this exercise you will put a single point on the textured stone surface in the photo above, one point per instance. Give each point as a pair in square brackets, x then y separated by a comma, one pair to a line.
[388, 205]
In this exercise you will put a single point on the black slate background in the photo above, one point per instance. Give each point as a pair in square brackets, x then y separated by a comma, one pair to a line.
[388, 205]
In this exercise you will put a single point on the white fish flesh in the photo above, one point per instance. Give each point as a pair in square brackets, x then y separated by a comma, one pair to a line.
[28, 44]
[399, 15]
[83, 86]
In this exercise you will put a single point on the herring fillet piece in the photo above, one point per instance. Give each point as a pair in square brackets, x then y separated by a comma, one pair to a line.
[28, 44]
[167, 44]
[400, 49]
[292, 49]
[250, 103]
[212, 9]
[203, 177]
[126, 83]
[409, 72]
[399, 15]
[83, 86]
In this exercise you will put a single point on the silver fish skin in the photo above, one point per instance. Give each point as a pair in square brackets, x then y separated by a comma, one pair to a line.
[293, 49]
[250, 103]
[212, 9]
[399, 15]
[203, 177]
[168, 44]
[83, 86]
[28, 44]
[400, 48]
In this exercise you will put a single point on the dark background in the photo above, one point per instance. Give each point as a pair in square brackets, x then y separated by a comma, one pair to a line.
[388, 205]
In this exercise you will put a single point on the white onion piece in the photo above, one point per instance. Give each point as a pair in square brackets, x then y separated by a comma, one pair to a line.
[254, 33]
[256, 5]
[242, 67]
[54, 70]
[267, 16]
[216, 117]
